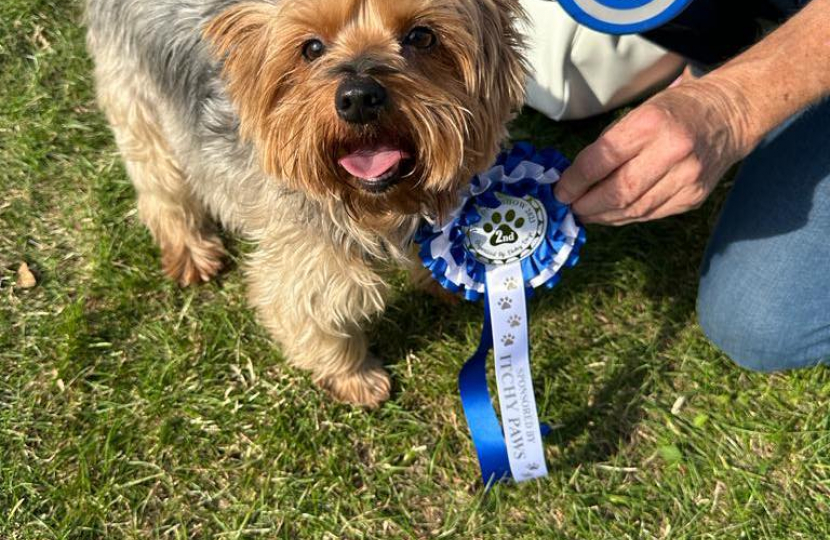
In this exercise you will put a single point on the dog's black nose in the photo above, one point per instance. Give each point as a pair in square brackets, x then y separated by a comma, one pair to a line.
[360, 100]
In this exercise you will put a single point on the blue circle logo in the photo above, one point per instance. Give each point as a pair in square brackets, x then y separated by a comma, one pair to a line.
[624, 16]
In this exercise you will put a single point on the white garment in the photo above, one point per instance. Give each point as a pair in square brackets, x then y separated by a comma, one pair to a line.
[578, 72]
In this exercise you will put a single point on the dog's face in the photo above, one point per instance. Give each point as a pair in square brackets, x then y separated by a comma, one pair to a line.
[386, 105]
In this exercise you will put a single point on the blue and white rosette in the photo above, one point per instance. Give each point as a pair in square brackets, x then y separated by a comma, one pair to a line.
[508, 236]
[624, 16]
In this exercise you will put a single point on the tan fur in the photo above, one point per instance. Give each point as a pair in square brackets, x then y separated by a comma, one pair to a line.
[318, 319]
[315, 278]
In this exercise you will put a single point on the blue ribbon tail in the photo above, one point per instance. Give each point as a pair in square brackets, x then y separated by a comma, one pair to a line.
[484, 425]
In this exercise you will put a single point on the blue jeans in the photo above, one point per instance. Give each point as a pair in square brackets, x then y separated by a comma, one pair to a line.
[765, 282]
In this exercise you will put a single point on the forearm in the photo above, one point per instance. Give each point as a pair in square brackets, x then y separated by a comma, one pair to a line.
[781, 75]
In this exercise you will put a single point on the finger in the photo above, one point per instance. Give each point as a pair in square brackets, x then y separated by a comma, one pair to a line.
[628, 184]
[691, 198]
[596, 162]
[681, 184]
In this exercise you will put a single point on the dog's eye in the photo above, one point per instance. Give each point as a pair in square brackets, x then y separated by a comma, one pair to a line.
[421, 38]
[313, 49]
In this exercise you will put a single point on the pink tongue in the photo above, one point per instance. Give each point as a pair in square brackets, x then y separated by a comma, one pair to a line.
[372, 163]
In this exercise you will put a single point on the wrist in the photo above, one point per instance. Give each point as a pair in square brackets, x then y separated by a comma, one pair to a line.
[719, 114]
[730, 111]
[730, 103]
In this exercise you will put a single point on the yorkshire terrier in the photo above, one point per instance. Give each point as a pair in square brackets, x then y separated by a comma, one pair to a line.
[322, 130]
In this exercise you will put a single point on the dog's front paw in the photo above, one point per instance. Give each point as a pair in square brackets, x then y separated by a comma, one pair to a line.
[368, 387]
[194, 262]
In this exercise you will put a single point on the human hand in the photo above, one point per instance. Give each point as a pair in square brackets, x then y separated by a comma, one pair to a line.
[663, 158]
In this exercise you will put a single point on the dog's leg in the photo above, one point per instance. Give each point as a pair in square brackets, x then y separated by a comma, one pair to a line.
[314, 299]
[191, 251]
[422, 280]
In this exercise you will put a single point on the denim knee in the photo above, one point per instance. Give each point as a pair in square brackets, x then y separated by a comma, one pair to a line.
[764, 282]
[756, 337]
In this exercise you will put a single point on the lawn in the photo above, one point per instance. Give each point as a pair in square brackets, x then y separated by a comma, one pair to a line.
[130, 408]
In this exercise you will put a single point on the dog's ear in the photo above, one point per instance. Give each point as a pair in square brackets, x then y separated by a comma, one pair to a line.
[500, 75]
[240, 40]
[503, 68]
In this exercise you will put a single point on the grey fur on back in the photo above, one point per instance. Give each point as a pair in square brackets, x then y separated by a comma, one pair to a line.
[156, 47]
[164, 36]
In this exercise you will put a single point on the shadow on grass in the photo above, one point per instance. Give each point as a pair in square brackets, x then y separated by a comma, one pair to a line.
[595, 429]
[667, 256]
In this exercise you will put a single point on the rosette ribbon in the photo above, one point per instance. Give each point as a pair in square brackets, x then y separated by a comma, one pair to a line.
[624, 16]
[508, 236]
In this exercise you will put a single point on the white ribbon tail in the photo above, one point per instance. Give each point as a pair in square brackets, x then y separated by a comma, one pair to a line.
[520, 419]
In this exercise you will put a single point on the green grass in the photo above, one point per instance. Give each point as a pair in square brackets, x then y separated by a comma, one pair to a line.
[132, 409]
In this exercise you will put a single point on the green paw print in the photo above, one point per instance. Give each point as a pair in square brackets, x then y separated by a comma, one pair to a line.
[501, 228]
